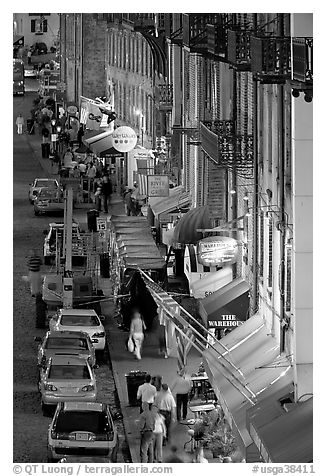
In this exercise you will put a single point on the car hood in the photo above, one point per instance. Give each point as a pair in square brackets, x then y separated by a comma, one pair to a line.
[88, 330]
[78, 353]
[76, 384]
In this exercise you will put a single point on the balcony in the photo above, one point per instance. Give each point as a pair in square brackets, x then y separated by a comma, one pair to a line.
[226, 148]
[165, 97]
[239, 52]
[302, 60]
[271, 59]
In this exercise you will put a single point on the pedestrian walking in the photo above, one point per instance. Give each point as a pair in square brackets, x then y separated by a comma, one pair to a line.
[80, 134]
[157, 382]
[146, 392]
[181, 387]
[106, 192]
[137, 328]
[29, 56]
[129, 204]
[20, 123]
[159, 434]
[98, 199]
[68, 158]
[34, 268]
[174, 458]
[166, 405]
[146, 425]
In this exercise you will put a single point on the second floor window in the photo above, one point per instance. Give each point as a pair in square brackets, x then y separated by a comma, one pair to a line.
[39, 25]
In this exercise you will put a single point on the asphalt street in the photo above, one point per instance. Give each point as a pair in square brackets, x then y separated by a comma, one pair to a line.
[29, 425]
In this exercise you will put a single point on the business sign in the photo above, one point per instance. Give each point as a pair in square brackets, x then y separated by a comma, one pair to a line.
[218, 251]
[92, 114]
[157, 185]
[124, 139]
[226, 321]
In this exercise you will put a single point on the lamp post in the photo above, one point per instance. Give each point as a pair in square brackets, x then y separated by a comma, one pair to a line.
[53, 136]
[141, 125]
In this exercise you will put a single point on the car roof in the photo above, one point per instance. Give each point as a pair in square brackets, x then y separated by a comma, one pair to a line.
[77, 312]
[46, 179]
[83, 406]
[66, 334]
[67, 359]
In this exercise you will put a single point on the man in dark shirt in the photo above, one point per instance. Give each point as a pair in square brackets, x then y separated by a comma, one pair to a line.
[106, 192]
[146, 425]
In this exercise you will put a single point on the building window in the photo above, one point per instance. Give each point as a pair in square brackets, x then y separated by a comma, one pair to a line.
[288, 277]
[39, 26]
[261, 244]
[270, 254]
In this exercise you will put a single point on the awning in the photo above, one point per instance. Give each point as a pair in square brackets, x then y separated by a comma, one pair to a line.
[144, 263]
[18, 40]
[99, 141]
[280, 436]
[185, 231]
[211, 282]
[176, 200]
[227, 307]
[255, 353]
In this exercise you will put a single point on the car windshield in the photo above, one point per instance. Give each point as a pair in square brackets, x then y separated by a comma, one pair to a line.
[94, 422]
[69, 372]
[72, 320]
[45, 183]
[66, 343]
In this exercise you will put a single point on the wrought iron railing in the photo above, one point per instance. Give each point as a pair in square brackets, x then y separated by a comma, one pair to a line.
[239, 52]
[302, 59]
[165, 96]
[226, 148]
[271, 58]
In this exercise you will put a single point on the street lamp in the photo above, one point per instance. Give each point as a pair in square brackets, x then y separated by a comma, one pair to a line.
[142, 118]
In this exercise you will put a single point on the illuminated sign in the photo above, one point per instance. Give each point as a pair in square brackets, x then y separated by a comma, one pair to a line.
[124, 139]
[217, 251]
[158, 185]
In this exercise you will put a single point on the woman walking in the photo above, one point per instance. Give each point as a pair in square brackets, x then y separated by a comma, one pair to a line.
[137, 328]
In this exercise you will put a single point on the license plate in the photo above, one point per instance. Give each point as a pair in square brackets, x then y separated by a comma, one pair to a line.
[95, 341]
[81, 436]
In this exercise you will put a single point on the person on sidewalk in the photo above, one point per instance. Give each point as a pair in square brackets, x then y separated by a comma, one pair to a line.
[29, 56]
[106, 192]
[181, 387]
[146, 392]
[159, 434]
[147, 426]
[129, 204]
[20, 123]
[167, 406]
[98, 198]
[34, 267]
[137, 328]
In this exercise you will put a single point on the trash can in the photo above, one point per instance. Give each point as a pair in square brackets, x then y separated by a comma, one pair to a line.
[30, 126]
[134, 379]
[91, 219]
[105, 265]
[45, 150]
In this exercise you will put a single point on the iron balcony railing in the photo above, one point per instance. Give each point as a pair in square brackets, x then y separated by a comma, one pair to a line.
[238, 48]
[302, 60]
[165, 97]
[271, 59]
[228, 149]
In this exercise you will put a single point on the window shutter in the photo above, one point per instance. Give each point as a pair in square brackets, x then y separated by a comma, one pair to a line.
[45, 26]
[270, 254]
[32, 26]
[261, 245]
[288, 277]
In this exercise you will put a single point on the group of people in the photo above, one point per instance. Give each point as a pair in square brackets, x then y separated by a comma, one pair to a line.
[159, 410]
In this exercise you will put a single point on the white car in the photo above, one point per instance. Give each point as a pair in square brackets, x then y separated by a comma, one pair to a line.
[85, 320]
[66, 378]
[82, 430]
[39, 183]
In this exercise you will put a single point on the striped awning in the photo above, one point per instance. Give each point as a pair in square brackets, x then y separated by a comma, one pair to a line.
[99, 141]
[185, 231]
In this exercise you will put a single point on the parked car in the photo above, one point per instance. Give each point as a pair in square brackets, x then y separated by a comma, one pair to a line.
[66, 378]
[81, 429]
[54, 237]
[48, 201]
[39, 183]
[30, 72]
[75, 343]
[85, 320]
[39, 48]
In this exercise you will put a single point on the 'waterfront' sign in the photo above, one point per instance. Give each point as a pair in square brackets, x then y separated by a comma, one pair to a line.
[124, 139]
[217, 251]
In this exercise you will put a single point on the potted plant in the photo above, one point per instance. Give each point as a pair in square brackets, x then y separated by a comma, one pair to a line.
[221, 443]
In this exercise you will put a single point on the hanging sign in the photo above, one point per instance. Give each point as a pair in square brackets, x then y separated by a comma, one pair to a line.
[218, 251]
[124, 139]
[101, 224]
[158, 185]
